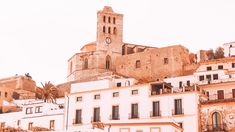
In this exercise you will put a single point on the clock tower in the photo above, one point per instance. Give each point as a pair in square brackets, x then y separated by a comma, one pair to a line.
[109, 31]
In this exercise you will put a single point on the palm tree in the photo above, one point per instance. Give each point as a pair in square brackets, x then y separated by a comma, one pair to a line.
[49, 92]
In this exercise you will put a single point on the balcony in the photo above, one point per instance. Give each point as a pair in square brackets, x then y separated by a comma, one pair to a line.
[216, 128]
[214, 98]
[114, 117]
[178, 111]
[133, 116]
[155, 114]
[77, 121]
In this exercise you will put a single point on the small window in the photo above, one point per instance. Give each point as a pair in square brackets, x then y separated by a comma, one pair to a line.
[38, 109]
[52, 124]
[116, 94]
[180, 124]
[5, 94]
[109, 30]
[207, 93]
[215, 77]
[137, 64]
[188, 83]
[233, 65]
[119, 84]
[180, 84]
[97, 96]
[209, 68]
[29, 110]
[86, 63]
[114, 20]
[201, 78]
[79, 99]
[104, 18]
[208, 77]
[103, 29]
[109, 20]
[114, 30]
[220, 94]
[220, 67]
[165, 60]
[2, 125]
[134, 92]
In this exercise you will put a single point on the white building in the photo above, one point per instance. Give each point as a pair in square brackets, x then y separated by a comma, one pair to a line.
[229, 49]
[149, 107]
[35, 113]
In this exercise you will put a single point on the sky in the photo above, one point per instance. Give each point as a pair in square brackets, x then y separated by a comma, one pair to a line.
[39, 36]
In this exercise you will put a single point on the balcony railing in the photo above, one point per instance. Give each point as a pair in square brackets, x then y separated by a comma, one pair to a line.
[226, 96]
[77, 121]
[178, 112]
[114, 117]
[133, 116]
[155, 114]
[216, 128]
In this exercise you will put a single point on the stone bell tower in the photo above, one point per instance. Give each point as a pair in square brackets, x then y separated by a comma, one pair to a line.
[109, 31]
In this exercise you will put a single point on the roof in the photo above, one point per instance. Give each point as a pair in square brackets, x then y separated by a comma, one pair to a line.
[216, 61]
[89, 47]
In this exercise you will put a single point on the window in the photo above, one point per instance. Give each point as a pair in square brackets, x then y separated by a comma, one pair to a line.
[97, 96]
[165, 60]
[96, 117]
[86, 63]
[114, 20]
[233, 91]
[188, 83]
[207, 93]
[134, 111]
[137, 64]
[18, 122]
[30, 126]
[103, 29]
[38, 109]
[71, 67]
[29, 110]
[114, 30]
[215, 77]
[178, 107]
[220, 94]
[0, 94]
[180, 84]
[156, 108]
[116, 94]
[127, 83]
[109, 30]
[104, 18]
[201, 78]
[134, 92]
[5, 94]
[119, 84]
[52, 125]
[109, 20]
[180, 124]
[115, 112]
[209, 68]
[233, 65]
[79, 99]
[208, 77]
[220, 67]
[216, 121]
[2, 125]
[78, 116]
[108, 62]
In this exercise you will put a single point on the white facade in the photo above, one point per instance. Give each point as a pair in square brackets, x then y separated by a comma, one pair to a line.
[37, 114]
[229, 49]
[166, 121]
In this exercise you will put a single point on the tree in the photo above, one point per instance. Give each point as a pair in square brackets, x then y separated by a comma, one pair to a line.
[210, 54]
[219, 53]
[192, 58]
[49, 92]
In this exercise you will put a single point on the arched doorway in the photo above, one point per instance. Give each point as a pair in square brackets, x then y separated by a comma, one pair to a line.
[216, 121]
[108, 62]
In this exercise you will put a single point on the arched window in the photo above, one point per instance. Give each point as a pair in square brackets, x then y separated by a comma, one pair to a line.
[216, 121]
[108, 62]
[104, 18]
[114, 30]
[86, 63]
[137, 64]
[114, 20]
[103, 29]
[109, 30]
[109, 20]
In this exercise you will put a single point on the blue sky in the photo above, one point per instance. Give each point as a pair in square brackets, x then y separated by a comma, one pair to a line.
[38, 37]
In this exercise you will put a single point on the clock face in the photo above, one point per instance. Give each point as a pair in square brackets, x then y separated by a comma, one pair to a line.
[108, 40]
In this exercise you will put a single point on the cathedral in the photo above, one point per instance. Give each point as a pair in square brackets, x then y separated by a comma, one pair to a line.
[109, 55]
